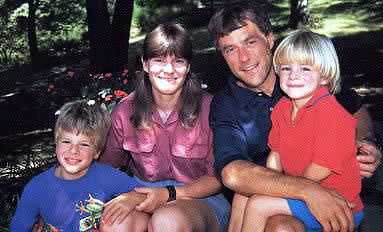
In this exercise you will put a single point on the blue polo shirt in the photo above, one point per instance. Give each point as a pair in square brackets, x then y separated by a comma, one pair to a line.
[240, 119]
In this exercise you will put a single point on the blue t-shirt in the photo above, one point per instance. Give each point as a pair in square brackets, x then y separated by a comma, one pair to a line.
[70, 205]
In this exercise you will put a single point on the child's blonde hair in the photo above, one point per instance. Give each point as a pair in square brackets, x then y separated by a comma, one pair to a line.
[309, 48]
[83, 118]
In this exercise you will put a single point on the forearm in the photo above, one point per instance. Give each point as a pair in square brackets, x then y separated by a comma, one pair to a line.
[248, 178]
[203, 187]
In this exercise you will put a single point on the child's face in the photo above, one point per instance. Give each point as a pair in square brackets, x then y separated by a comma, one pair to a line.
[299, 81]
[75, 152]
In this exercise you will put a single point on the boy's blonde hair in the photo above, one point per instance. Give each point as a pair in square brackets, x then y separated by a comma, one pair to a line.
[309, 48]
[83, 118]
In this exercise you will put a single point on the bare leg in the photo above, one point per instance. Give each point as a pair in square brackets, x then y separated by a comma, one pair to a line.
[259, 208]
[284, 223]
[237, 212]
[184, 215]
[135, 222]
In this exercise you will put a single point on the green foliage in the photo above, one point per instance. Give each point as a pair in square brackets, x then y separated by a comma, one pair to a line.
[55, 22]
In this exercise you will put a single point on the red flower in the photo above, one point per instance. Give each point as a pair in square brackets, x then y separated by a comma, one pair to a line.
[120, 93]
[125, 81]
[108, 75]
[50, 87]
[125, 72]
[96, 76]
[70, 73]
[108, 97]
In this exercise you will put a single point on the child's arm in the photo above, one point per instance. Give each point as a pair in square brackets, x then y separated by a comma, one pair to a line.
[316, 172]
[274, 162]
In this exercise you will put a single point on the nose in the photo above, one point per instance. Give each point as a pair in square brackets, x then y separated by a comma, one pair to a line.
[168, 68]
[75, 149]
[293, 74]
[243, 55]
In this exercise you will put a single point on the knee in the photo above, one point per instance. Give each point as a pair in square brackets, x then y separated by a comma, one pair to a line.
[136, 221]
[284, 223]
[169, 219]
[256, 203]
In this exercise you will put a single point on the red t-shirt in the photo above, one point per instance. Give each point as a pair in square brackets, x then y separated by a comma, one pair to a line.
[323, 132]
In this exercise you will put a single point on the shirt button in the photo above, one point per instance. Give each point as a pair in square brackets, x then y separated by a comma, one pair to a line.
[271, 109]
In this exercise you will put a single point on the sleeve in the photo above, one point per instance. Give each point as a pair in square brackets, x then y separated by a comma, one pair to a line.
[114, 154]
[334, 137]
[349, 99]
[27, 209]
[229, 140]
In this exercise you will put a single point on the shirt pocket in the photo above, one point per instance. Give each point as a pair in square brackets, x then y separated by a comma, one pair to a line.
[191, 144]
[140, 141]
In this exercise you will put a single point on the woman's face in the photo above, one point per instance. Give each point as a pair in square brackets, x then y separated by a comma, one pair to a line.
[167, 74]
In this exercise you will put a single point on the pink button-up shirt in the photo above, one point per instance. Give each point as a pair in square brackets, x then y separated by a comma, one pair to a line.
[167, 151]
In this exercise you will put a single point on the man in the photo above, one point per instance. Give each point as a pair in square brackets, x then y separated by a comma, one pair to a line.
[240, 118]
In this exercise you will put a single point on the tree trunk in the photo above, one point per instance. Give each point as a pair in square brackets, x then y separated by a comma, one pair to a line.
[122, 18]
[32, 38]
[299, 12]
[99, 29]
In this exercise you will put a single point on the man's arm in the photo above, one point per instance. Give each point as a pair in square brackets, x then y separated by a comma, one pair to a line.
[328, 207]
[369, 155]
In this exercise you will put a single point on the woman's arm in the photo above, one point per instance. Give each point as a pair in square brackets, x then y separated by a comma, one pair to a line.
[203, 187]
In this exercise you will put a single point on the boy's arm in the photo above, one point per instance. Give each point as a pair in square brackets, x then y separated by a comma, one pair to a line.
[316, 172]
[274, 162]
[117, 209]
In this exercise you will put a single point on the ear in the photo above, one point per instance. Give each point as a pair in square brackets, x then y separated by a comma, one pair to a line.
[144, 65]
[323, 81]
[97, 155]
[270, 39]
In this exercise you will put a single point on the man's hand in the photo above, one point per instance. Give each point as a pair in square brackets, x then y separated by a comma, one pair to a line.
[117, 209]
[156, 197]
[369, 158]
[330, 209]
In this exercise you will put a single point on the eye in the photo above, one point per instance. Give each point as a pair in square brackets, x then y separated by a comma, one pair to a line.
[85, 144]
[180, 61]
[305, 69]
[65, 141]
[251, 42]
[228, 50]
[285, 68]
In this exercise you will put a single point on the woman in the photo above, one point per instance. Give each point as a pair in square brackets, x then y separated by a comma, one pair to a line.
[162, 130]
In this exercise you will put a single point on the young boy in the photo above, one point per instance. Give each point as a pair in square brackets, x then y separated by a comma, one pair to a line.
[71, 195]
[312, 135]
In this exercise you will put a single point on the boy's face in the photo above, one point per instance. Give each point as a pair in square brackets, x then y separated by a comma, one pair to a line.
[300, 81]
[75, 152]
[247, 51]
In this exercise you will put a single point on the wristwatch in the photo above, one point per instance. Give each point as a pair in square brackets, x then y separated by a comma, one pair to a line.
[172, 192]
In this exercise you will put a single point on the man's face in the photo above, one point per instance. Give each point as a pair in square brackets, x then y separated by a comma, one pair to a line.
[247, 51]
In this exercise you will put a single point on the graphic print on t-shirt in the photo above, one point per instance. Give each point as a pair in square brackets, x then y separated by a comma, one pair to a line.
[92, 208]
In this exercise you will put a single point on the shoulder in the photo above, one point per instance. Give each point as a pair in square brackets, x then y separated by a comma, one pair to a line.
[331, 110]
[124, 107]
[40, 181]
[223, 100]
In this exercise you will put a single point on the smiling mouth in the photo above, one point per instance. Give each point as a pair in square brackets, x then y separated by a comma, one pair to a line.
[72, 161]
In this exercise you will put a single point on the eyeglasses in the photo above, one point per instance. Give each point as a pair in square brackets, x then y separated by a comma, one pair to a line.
[163, 62]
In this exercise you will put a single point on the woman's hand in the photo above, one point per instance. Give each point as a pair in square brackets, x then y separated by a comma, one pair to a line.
[156, 197]
[117, 209]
